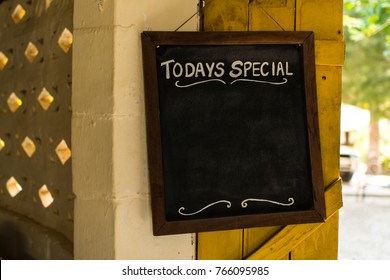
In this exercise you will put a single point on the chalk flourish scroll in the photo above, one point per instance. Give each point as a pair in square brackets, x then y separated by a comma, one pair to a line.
[200, 82]
[235, 81]
[244, 203]
[181, 209]
[261, 81]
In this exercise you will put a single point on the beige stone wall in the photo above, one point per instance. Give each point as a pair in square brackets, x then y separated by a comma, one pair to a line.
[113, 218]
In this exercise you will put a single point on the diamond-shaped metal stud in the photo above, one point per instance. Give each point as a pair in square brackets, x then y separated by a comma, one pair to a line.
[63, 152]
[31, 52]
[14, 102]
[45, 196]
[3, 60]
[2, 144]
[66, 39]
[13, 187]
[18, 14]
[45, 99]
[28, 147]
[48, 3]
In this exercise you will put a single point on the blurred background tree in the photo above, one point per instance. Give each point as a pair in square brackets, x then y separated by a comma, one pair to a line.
[366, 77]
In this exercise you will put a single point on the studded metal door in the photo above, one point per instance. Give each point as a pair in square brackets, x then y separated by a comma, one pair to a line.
[35, 112]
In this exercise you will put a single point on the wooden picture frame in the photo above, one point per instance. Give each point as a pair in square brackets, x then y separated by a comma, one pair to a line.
[232, 130]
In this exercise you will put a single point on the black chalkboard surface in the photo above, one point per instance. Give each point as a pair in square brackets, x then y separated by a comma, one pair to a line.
[232, 127]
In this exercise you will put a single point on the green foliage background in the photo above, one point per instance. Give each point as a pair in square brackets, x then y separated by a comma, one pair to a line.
[366, 76]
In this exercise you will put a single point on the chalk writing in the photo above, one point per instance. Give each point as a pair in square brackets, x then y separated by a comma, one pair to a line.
[240, 71]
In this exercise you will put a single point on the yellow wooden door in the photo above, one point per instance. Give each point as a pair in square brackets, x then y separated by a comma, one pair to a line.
[304, 241]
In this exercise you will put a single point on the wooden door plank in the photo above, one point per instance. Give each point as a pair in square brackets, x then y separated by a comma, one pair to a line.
[220, 245]
[321, 245]
[225, 15]
[267, 16]
[329, 104]
[272, 15]
[325, 18]
[255, 237]
[330, 52]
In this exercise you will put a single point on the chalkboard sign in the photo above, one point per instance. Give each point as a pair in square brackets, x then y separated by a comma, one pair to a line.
[232, 129]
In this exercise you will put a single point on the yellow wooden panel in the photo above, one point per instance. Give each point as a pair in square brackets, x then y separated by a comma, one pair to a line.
[325, 18]
[291, 236]
[220, 245]
[272, 15]
[329, 103]
[255, 237]
[283, 242]
[226, 15]
[330, 52]
[321, 245]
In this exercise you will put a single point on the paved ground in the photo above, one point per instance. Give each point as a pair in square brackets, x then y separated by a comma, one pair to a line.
[365, 219]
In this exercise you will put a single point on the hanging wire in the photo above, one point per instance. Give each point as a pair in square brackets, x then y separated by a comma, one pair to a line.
[201, 5]
[277, 23]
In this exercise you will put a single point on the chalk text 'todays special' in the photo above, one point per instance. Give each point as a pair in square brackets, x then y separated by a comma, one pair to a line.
[237, 69]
